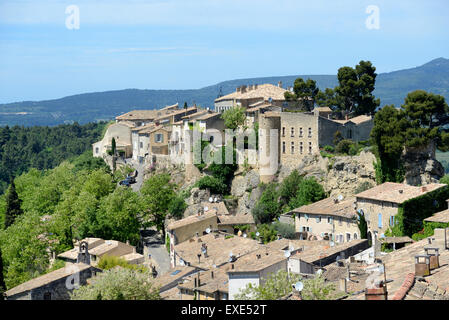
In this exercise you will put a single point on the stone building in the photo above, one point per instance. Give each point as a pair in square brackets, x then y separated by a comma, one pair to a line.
[244, 96]
[328, 219]
[121, 132]
[380, 204]
[297, 134]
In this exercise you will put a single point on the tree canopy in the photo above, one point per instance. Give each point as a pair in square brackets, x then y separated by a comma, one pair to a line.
[234, 117]
[304, 93]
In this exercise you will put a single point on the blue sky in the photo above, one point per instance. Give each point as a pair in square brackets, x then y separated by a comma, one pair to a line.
[185, 44]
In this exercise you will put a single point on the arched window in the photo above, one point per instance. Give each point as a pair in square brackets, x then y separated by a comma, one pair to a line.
[355, 236]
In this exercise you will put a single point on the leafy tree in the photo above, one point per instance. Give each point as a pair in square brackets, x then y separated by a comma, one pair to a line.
[2, 280]
[289, 187]
[158, 193]
[445, 179]
[13, 205]
[309, 191]
[286, 230]
[118, 216]
[267, 232]
[177, 207]
[113, 146]
[388, 135]
[215, 185]
[280, 284]
[118, 284]
[304, 92]
[234, 117]
[344, 146]
[267, 208]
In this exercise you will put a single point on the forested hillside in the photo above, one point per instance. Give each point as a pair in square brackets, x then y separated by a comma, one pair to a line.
[390, 87]
[22, 148]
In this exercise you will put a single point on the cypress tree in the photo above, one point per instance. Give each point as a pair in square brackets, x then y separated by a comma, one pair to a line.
[13, 209]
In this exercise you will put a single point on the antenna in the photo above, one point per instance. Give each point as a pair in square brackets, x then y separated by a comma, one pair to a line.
[340, 197]
[208, 230]
[181, 262]
[287, 253]
[206, 209]
[257, 234]
[231, 254]
[244, 235]
[319, 272]
[299, 286]
[211, 199]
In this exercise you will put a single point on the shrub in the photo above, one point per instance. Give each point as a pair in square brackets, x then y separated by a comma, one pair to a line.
[344, 146]
[268, 207]
[215, 185]
[118, 284]
[286, 230]
[329, 149]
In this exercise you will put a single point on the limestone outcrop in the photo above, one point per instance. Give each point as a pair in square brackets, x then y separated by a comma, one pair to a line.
[420, 166]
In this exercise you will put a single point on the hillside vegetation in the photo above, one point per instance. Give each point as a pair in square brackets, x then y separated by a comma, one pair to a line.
[391, 88]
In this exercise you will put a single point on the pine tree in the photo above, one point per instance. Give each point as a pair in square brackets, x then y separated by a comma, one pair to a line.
[13, 209]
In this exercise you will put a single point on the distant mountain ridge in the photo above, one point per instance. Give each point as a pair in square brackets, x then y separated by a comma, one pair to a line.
[391, 88]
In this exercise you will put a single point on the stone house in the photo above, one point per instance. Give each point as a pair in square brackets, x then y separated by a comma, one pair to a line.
[55, 285]
[143, 117]
[98, 247]
[254, 268]
[121, 132]
[205, 285]
[244, 96]
[328, 219]
[297, 134]
[380, 204]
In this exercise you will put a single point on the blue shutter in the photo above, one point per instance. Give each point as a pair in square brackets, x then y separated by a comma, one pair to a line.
[380, 220]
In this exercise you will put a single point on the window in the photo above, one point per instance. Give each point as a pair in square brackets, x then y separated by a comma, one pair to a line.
[392, 221]
[379, 222]
[300, 147]
[310, 147]
[349, 134]
[318, 219]
[159, 138]
[348, 237]
[329, 220]
[141, 145]
[339, 221]
[306, 217]
[300, 132]
[283, 131]
[355, 236]
[310, 132]
[293, 147]
[292, 132]
[283, 146]
[97, 150]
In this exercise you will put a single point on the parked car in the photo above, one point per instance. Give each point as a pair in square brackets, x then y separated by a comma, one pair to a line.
[125, 183]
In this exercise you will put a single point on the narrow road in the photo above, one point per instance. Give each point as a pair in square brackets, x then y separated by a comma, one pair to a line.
[155, 246]
[140, 169]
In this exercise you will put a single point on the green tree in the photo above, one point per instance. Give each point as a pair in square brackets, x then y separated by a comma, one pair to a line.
[309, 191]
[118, 216]
[177, 207]
[344, 146]
[158, 192]
[13, 205]
[267, 208]
[280, 284]
[363, 226]
[234, 117]
[355, 90]
[215, 185]
[118, 284]
[304, 92]
[426, 113]
[2, 280]
[289, 187]
[113, 146]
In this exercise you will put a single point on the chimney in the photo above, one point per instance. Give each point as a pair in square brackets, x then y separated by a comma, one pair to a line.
[280, 84]
[255, 86]
[258, 256]
[346, 117]
[423, 189]
[239, 89]
[243, 89]
[434, 257]
[199, 257]
[401, 191]
[376, 293]
[422, 265]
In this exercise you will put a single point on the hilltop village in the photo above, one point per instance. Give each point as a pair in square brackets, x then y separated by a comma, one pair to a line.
[350, 234]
